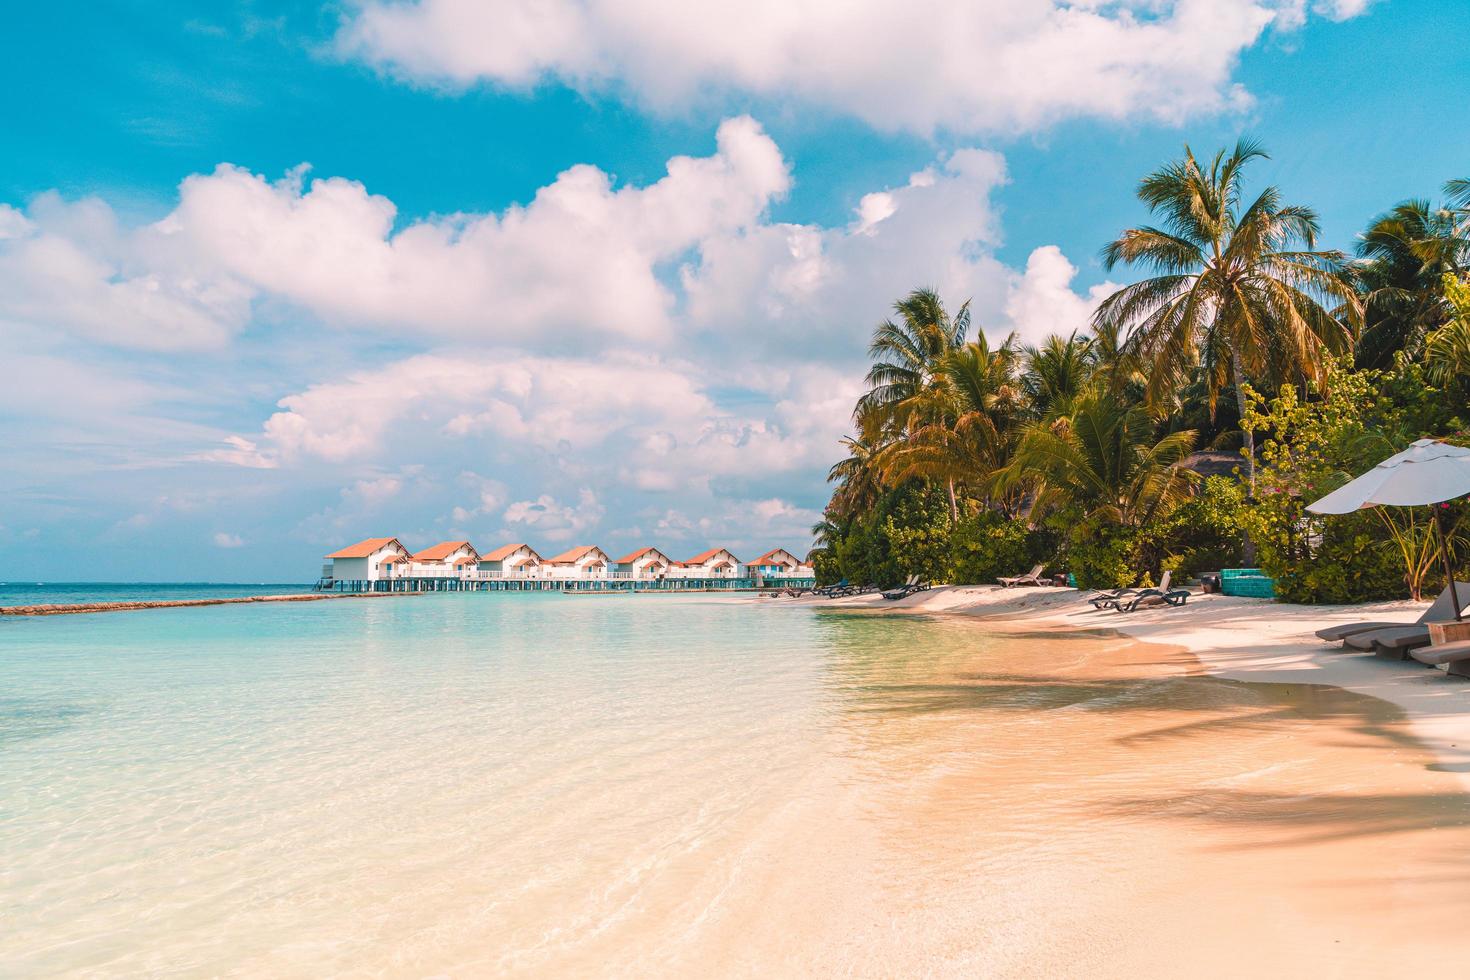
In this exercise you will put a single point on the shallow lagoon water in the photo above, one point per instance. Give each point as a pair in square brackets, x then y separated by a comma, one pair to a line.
[543, 785]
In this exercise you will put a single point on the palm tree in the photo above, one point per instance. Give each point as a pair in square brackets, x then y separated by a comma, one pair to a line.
[1404, 256]
[1239, 290]
[1447, 350]
[1057, 371]
[1104, 462]
[906, 352]
[858, 476]
[960, 426]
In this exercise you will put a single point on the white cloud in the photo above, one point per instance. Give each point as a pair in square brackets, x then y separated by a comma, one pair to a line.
[802, 288]
[640, 420]
[1041, 300]
[554, 521]
[225, 540]
[71, 265]
[984, 65]
[581, 260]
[489, 496]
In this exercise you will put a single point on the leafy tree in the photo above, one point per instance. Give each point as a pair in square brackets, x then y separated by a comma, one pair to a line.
[1103, 463]
[1240, 288]
[1447, 350]
[1405, 255]
[1057, 371]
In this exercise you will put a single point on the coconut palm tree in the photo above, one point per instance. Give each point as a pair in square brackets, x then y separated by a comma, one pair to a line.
[906, 351]
[1239, 290]
[1403, 258]
[1058, 370]
[1105, 462]
[859, 478]
[1447, 350]
[959, 429]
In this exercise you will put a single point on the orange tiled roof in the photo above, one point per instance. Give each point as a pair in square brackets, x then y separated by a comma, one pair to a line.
[768, 556]
[365, 549]
[573, 556]
[503, 552]
[705, 556]
[626, 559]
[443, 550]
[394, 560]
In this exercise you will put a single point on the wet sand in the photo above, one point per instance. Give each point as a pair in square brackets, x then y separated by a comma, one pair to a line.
[1091, 806]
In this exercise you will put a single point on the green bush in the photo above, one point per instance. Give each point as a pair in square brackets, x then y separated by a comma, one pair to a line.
[1203, 534]
[985, 546]
[1103, 558]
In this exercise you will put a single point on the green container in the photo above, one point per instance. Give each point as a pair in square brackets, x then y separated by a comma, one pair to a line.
[1247, 582]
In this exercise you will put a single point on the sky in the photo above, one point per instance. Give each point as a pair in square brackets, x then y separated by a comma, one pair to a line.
[275, 277]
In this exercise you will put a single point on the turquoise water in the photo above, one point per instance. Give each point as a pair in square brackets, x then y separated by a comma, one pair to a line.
[540, 785]
[37, 593]
[355, 783]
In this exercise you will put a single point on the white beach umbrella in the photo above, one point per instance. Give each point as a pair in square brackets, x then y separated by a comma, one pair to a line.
[1428, 472]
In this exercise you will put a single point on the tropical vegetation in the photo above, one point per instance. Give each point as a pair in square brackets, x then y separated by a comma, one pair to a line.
[1243, 372]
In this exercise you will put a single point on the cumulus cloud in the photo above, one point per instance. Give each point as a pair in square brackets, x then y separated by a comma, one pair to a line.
[71, 265]
[554, 521]
[800, 287]
[582, 259]
[1041, 300]
[634, 419]
[987, 65]
[223, 539]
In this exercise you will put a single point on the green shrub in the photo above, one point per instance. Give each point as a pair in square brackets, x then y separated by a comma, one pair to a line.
[985, 546]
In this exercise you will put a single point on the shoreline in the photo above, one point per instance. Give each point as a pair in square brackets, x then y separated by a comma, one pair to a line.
[74, 608]
[1233, 638]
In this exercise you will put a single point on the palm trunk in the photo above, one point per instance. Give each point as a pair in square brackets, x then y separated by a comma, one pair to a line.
[1249, 435]
[954, 507]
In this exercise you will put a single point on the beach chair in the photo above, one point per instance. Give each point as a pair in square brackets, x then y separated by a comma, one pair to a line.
[1454, 657]
[1032, 577]
[827, 591]
[907, 588]
[1396, 642]
[1154, 597]
[1110, 600]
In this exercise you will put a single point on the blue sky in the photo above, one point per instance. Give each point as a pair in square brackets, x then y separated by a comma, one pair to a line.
[504, 314]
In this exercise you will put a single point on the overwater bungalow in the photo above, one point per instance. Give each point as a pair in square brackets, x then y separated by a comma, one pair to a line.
[512, 561]
[714, 563]
[583, 562]
[385, 565]
[778, 563]
[645, 563]
[367, 561]
[460, 556]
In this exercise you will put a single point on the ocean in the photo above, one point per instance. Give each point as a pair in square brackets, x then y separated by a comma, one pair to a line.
[543, 785]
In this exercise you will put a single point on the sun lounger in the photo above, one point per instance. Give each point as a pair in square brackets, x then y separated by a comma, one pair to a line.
[1333, 634]
[908, 587]
[1154, 597]
[1395, 642]
[1110, 600]
[1032, 577]
[827, 590]
[1455, 657]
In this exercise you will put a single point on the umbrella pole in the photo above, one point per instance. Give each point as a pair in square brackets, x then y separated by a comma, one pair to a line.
[1444, 553]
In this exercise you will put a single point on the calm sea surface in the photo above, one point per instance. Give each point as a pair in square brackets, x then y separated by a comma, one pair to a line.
[36, 593]
[475, 785]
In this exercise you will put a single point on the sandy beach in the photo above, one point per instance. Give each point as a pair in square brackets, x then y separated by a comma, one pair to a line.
[1234, 638]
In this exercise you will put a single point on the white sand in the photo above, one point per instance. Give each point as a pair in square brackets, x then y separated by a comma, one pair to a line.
[1239, 639]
